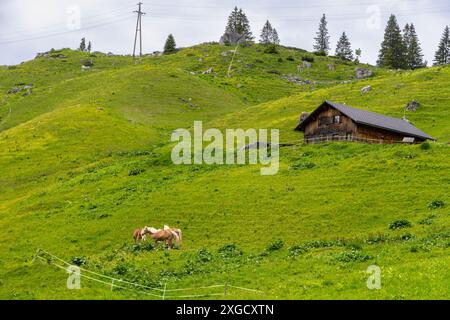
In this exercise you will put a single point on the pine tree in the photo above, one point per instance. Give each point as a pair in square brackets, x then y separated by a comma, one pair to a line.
[238, 23]
[392, 52]
[89, 47]
[442, 56]
[414, 55]
[82, 45]
[358, 53]
[322, 45]
[275, 37]
[266, 33]
[269, 35]
[343, 48]
[170, 46]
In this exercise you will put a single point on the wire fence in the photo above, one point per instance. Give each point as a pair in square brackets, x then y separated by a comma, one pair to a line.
[156, 292]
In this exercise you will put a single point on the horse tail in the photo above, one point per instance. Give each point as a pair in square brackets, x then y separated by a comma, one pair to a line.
[178, 231]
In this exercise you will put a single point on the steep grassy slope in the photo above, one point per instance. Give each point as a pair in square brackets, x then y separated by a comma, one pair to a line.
[389, 96]
[257, 76]
[85, 159]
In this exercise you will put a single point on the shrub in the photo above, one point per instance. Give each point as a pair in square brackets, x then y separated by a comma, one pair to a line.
[376, 238]
[271, 49]
[407, 236]
[275, 245]
[315, 244]
[229, 251]
[120, 269]
[302, 165]
[425, 146]
[78, 261]
[290, 58]
[400, 224]
[427, 221]
[135, 171]
[204, 256]
[308, 59]
[297, 250]
[274, 72]
[351, 256]
[436, 204]
[280, 60]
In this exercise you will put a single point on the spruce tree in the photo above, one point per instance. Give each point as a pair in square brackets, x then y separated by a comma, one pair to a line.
[392, 52]
[269, 35]
[414, 55]
[170, 46]
[89, 47]
[358, 53]
[442, 55]
[275, 37]
[82, 45]
[238, 23]
[343, 48]
[322, 45]
[266, 33]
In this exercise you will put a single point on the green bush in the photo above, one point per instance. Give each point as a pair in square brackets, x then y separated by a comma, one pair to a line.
[78, 261]
[135, 171]
[400, 224]
[230, 251]
[301, 165]
[308, 59]
[120, 269]
[271, 49]
[275, 245]
[436, 204]
[204, 256]
[425, 146]
[351, 256]
[297, 250]
[290, 58]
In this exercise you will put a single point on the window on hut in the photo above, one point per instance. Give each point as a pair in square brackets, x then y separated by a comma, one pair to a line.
[337, 119]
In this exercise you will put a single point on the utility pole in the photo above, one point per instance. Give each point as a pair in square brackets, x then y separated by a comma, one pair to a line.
[138, 30]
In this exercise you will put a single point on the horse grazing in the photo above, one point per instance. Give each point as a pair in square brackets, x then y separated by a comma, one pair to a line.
[176, 232]
[137, 235]
[160, 235]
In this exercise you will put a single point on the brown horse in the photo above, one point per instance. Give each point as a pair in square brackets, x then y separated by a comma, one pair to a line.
[176, 232]
[160, 235]
[137, 235]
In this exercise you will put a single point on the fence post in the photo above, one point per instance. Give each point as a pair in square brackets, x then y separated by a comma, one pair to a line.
[112, 285]
[225, 287]
[164, 292]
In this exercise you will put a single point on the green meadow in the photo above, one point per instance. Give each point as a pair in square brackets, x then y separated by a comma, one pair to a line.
[85, 159]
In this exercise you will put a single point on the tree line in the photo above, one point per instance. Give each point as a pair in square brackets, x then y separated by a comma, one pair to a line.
[400, 49]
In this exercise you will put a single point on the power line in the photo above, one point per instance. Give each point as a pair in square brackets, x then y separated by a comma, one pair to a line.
[59, 26]
[65, 32]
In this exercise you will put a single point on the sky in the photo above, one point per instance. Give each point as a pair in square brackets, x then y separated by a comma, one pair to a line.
[31, 26]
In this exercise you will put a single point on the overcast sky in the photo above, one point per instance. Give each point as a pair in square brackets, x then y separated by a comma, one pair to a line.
[31, 26]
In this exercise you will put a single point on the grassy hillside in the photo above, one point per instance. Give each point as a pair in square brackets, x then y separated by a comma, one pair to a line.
[85, 159]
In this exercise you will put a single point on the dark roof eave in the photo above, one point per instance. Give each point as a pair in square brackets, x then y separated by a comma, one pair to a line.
[396, 131]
